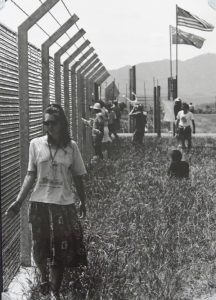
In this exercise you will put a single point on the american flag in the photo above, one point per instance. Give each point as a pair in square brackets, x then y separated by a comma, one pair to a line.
[186, 38]
[184, 18]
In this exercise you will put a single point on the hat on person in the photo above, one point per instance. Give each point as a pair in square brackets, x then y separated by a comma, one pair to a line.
[177, 99]
[96, 106]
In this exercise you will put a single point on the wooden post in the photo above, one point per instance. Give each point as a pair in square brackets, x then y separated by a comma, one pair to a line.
[57, 63]
[158, 112]
[24, 117]
[132, 91]
[134, 80]
[155, 109]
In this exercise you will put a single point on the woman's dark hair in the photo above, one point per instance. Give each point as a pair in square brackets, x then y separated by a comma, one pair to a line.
[176, 155]
[185, 105]
[57, 111]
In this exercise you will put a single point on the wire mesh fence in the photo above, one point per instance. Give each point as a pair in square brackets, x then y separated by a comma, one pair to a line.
[10, 115]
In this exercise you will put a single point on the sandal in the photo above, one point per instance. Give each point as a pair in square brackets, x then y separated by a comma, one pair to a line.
[44, 288]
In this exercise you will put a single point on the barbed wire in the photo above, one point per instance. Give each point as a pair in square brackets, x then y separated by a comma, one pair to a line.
[21, 9]
[44, 31]
[71, 16]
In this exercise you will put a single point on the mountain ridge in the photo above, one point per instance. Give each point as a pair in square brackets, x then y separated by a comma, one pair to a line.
[196, 78]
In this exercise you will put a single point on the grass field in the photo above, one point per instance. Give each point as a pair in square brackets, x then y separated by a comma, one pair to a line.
[148, 237]
[205, 123]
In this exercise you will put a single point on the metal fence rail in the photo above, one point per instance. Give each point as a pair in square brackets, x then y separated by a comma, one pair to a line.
[10, 150]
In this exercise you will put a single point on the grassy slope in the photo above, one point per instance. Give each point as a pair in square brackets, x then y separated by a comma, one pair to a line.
[148, 237]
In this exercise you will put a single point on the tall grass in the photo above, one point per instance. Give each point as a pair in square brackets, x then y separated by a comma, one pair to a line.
[148, 236]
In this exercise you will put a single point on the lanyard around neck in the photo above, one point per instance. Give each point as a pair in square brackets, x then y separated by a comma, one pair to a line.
[52, 157]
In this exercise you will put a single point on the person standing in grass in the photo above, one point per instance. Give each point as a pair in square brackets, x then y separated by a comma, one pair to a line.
[117, 111]
[111, 121]
[140, 123]
[97, 130]
[56, 167]
[178, 168]
[106, 141]
[183, 126]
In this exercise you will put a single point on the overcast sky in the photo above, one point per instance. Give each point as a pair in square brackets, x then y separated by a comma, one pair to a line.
[123, 32]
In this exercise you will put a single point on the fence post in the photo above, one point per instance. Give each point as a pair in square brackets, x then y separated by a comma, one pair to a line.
[74, 101]
[101, 79]
[132, 91]
[87, 135]
[158, 112]
[83, 102]
[94, 70]
[79, 113]
[74, 90]
[57, 63]
[66, 78]
[24, 117]
[155, 109]
[45, 56]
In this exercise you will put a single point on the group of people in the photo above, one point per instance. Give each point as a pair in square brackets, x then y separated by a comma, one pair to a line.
[56, 169]
[105, 123]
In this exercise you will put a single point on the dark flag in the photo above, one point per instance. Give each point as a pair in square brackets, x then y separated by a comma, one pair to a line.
[184, 18]
[111, 91]
[186, 38]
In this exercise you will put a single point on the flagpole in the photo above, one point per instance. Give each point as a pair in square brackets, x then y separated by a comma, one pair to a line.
[170, 51]
[176, 53]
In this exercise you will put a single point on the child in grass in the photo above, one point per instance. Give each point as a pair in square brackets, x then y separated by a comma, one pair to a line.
[178, 168]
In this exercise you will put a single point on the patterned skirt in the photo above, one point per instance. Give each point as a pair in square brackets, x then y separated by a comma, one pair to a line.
[57, 235]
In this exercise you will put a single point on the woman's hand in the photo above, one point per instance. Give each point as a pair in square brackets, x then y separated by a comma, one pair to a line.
[13, 209]
[97, 131]
[82, 210]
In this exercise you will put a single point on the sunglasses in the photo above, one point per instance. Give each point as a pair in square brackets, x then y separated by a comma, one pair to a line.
[51, 122]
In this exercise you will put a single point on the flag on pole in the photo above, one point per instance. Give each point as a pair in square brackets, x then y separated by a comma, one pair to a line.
[184, 18]
[111, 91]
[212, 4]
[186, 38]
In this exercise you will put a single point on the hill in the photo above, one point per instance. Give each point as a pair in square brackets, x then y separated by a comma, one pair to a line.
[197, 78]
